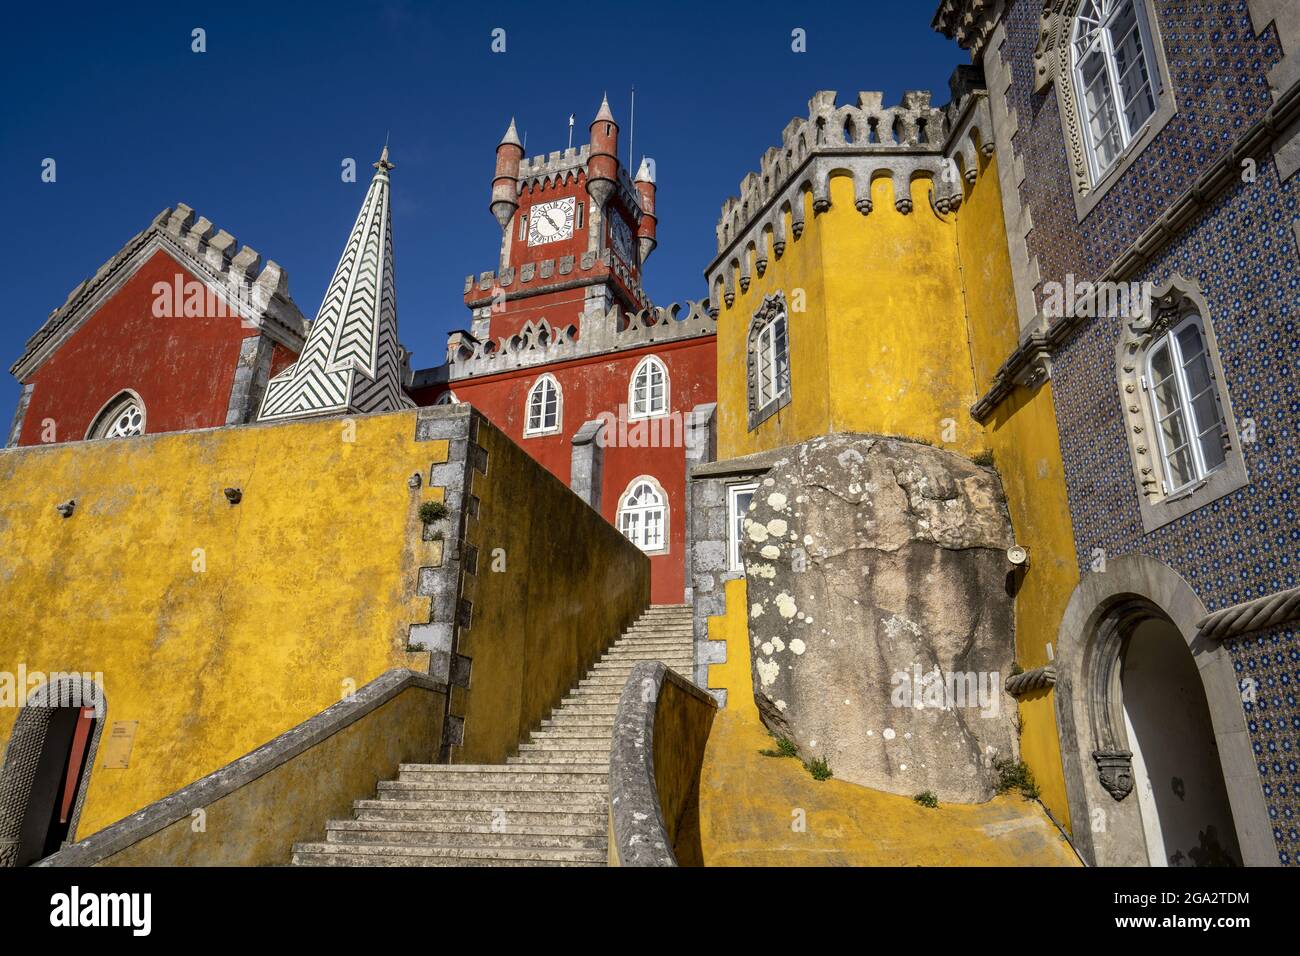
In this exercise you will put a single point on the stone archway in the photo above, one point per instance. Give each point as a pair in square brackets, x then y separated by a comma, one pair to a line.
[36, 733]
[1108, 611]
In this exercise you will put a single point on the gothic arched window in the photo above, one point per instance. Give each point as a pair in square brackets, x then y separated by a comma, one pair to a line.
[768, 360]
[648, 391]
[447, 398]
[1177, 411]
[123, 417]
[1115, 77]
[643, 515]
[544, 407]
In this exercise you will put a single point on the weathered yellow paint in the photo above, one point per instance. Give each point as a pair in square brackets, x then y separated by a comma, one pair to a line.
[881, 343]
[1022, 435]
[751, 805]
[306, 590]
[733, 674]
[258, 823]
[907, 319]
[555, 585]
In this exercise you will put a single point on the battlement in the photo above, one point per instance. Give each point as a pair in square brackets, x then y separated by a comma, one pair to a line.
[541, 344]
[558, 167]
[867, 142]
[257, 287]
[480, 291]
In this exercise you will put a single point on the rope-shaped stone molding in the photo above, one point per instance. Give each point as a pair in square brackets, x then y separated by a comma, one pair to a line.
[1040, 678]
[1251, 616]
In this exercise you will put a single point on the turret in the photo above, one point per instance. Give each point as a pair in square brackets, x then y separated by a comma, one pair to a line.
[602, 162]
[505, 185]
[645, 190]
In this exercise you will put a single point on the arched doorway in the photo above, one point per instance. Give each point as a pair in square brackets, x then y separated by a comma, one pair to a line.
[1177, 775]
[1157, 759]
[47, 767]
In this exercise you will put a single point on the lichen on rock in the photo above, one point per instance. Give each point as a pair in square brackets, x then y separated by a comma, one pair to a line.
[905, 573]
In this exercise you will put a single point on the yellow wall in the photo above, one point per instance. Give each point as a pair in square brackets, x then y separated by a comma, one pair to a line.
[307, 593]
[881, 346]
[568, 584]
[908, 318]
[258, 824]
[1022, 435]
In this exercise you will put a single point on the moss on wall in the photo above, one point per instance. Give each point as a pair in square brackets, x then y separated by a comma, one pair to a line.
[215, 626]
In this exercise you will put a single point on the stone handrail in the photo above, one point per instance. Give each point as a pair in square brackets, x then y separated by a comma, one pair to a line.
[281, 811]
[660, 730]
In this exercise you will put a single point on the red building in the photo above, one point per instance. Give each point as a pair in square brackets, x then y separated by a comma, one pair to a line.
[567, 355]
[181, 329]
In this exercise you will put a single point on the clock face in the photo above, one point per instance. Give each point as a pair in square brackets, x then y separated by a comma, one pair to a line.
[620, 237]
[551, 221]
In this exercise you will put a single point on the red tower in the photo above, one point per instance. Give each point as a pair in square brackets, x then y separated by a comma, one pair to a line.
[566, 353]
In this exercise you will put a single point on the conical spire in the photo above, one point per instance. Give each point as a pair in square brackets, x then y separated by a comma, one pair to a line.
[604, 112]
[512, 136]
[645, 174]
[350, 361]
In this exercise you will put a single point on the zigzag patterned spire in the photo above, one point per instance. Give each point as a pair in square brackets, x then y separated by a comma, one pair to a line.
[350, 362]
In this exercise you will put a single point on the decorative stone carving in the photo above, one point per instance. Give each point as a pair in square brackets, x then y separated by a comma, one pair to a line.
[1115, 770]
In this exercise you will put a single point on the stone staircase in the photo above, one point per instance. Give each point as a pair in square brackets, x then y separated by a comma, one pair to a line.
[546, 806]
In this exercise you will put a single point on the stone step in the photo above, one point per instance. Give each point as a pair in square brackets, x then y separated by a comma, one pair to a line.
[569, 718]
[471, 814]
[589, 761]
[568, 743]
[604, 680]
[583, 696]
[358, 854]
[498, 774]
[496, 793]
[595, 707]
[625, 667]
[638, 635]
[442, 834]
[568, 734]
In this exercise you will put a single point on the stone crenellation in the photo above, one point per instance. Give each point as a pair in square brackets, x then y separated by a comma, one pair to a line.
[490, 284]
[214, 254]
[539, 343]
[559, 167]
[866, 142]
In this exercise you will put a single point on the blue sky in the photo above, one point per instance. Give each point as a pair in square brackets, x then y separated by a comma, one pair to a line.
[253, 132]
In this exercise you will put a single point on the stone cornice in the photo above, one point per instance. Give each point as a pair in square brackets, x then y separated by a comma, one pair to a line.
[969, 22]
[538, 344]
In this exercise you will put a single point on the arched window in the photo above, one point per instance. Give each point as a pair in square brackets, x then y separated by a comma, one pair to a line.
[768, 360]
[1177, 411]
[1115, 77]
[447, 398]
[643, 515]
[1185, 405]
[648, 391]
[544, 407]
[123, 417]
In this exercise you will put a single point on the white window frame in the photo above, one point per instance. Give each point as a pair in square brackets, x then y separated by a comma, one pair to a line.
[1185, 404]
[1103, 42]
[735, 522]
[447, 398]
[633, 520]
[635, 392]
[536, 394]
[768, 376]
[105, 421]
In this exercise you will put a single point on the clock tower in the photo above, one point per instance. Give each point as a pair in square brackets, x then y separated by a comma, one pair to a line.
[575, 233]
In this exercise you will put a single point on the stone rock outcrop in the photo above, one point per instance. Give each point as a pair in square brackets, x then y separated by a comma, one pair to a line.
[880, 619]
